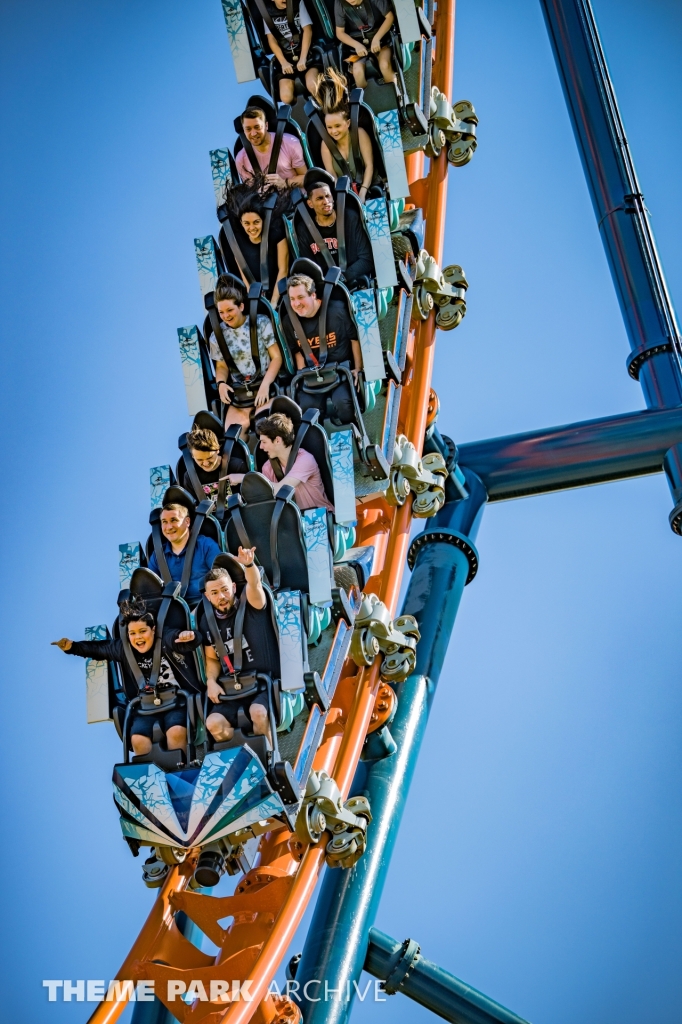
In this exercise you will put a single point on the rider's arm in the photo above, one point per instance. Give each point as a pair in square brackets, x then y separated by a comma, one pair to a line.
[357, 354]
[277, 50]
[275, 363]
[255, 595]
[99, 650]
[282, 268]
[172, 639]
[305, 43]
[384, 27]
[213, 667]
[367, 155]
[327, 159]
[359, 249]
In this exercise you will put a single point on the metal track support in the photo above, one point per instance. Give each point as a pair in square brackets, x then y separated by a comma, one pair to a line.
[403, 969]
[336, 945]
[622, 217]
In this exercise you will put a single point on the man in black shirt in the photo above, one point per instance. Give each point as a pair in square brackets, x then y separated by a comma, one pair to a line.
[359, 261]
[341, 343]
[174, 672]
[362, 25]
[260, 649]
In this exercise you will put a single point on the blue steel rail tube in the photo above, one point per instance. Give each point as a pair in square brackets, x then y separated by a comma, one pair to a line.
[650, 322]
[444, 560]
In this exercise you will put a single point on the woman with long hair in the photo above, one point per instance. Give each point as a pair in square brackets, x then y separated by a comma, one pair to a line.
[331, 95]
[250, 207]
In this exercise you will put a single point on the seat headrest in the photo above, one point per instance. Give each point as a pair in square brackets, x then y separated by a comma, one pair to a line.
[318, 176]
[287, 407]
[255, 488]
[235, 568]
[205, 420]
[179, 496]
[145, 583]
[305, 266]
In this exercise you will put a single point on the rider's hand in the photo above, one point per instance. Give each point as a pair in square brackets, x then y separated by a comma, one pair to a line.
[287, 68]
[214, 690]
[301, 66]
[263, 395]
[376, 45]
[246, 556]
[225, 395]
[276, 180]
[186, 636]
[360, 50]
[63, 644]
[356, 378]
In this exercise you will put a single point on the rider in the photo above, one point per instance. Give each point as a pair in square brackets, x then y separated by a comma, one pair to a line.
[205, 449]
[320, 199]
[291, 165]
[173, 672]
[249, 217]
[235, 327]
[175, 526]
[276, 439]
[343, 346]
[331, 95]
[260, 651]
[291, 51]
[362, 24]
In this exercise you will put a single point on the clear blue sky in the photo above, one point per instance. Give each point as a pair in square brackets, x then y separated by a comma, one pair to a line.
[539, 855]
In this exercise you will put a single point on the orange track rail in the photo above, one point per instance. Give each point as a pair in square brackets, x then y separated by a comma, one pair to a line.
[271, 899]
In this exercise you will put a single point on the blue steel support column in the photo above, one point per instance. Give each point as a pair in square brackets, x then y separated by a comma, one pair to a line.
[336, 945]
[621, 215]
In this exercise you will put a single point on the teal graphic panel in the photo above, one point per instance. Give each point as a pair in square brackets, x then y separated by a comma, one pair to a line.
[291, 638]
[159, 482]
[378, 228]
[192, 372]
[341, 453]
[204, 249]
[365, 309]
[388, 125]
[407, 21]
[220, 172]
[239, 41]
[96, 681]
[319, 555]
[128, 562]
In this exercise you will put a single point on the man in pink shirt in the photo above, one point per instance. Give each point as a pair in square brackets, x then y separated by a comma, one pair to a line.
[276, 439]
[291, 168]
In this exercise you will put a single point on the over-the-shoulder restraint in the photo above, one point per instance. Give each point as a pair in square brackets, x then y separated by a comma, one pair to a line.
[299, 202]
[142, 682]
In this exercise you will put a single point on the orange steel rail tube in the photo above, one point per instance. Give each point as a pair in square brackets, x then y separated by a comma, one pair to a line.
[339, 755]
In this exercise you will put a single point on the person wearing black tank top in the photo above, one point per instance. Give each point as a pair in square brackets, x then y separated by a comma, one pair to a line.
[260, 651]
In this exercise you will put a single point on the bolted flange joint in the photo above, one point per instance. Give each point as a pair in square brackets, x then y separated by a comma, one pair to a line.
[424, 477]
[374, 632]
[454, 127]
[323, 810]
[445, 289]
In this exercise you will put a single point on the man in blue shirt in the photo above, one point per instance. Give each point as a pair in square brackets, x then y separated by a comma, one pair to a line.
[175, 526]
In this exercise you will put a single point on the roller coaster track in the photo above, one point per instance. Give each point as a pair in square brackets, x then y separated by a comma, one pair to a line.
[270, 900]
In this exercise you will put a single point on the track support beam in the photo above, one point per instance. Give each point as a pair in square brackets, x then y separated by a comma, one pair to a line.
[557, 458]
[622, 217]
[403, 969]
[336, 946]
